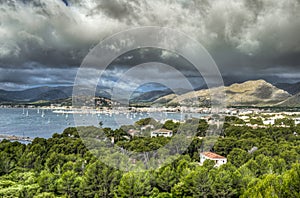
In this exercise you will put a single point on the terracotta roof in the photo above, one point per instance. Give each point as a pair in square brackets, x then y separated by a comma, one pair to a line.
[212, 155]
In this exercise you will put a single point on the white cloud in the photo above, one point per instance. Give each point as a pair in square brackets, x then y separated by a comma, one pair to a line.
[51, 26]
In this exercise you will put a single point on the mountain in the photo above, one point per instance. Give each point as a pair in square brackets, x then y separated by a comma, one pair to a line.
[293, 101]
[63, 92]
[43, 94]
[292, 88]
[150, 96]
[257, 92]
[34, 94]
[254, 92]
[51, 95]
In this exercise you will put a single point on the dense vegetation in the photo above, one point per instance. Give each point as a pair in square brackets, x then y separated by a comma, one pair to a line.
[262, 162]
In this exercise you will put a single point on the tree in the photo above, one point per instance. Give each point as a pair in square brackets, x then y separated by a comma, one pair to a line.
[170, 125]
[242, 177]
[119, 134]
[45, 195]
[291, 182]
[99, 180]
[285, 121]
[68, 183]
[6, 163]
[46, 181]
[202, 127]
[269, 186]
[135, 184]
[28, 160]
[290, 156]
[238, 157]
[165, 178]
[198, 183]
[222, 183]
[257, 121]
[146, 121]
[234, 120]
[53, 160]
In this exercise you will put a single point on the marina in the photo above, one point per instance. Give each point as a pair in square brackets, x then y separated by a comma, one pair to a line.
[45, 122]
[15, 138]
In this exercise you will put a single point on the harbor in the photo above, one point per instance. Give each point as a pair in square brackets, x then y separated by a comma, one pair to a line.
[15, 138]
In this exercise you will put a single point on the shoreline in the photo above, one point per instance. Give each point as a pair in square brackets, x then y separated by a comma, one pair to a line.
[117, 110]
[15, 138]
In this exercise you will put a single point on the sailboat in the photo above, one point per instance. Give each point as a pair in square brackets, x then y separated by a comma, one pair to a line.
[27, 114]
[23, 111]
[43, 114]
[38, 110]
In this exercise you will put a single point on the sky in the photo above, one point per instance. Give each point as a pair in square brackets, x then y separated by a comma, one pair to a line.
[43, 42]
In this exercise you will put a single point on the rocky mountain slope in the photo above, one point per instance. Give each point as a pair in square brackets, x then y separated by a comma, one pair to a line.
[150, 96]
[258, 92]
[293, 101]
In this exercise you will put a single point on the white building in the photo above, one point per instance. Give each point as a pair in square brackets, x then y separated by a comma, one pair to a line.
[219, 160]
[297, 121]
[132, 132]
[244, 117]
[269, 122]
[246, 112]
[147, 127]
[162, 132]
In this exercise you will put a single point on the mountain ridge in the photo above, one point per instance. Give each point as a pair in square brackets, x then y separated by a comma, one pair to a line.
[293, 101]
[292, 88]
[42, 93]
[253, 92]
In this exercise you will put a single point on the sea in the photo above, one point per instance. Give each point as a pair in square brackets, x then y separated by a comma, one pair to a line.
[45, 122]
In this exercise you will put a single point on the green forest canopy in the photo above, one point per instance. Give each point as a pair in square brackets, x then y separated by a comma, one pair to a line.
[62, 166]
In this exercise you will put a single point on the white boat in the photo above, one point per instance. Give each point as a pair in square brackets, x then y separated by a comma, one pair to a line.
[58, 111]
[43, 114]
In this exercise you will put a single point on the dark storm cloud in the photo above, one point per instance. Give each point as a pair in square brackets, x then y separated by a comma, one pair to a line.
[14, 79]
[246, 37]
[140, 56]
